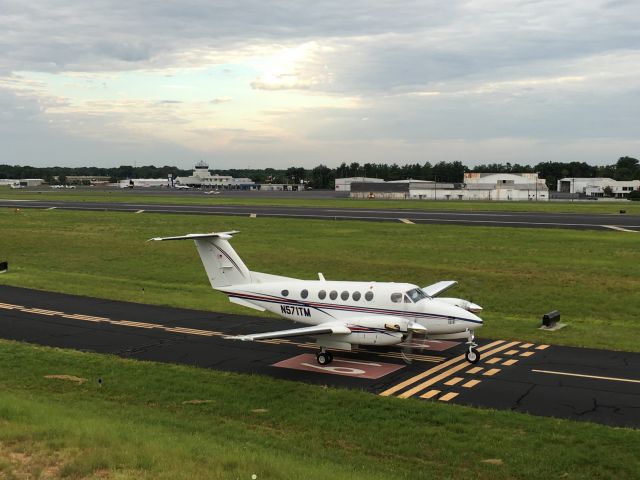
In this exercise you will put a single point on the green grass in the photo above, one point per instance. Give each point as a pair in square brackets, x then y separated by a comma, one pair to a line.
[83, 195]
[515, 274]
[137, 426]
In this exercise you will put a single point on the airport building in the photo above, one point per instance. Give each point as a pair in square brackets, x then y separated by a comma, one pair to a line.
[344, 184]
[202, 178]
[595, 187]
[476, 186]
[23, 182]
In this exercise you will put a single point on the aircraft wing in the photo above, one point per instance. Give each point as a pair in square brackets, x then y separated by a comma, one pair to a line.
[438, 287]
[323, 329]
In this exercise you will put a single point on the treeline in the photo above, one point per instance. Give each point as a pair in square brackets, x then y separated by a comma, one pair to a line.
[626, 168]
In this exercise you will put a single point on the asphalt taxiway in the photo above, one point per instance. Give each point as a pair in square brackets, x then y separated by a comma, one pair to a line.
[582, 384]
[613, 221]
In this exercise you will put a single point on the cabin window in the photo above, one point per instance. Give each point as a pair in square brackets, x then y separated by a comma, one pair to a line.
[416, 294]
[406, 299]
[304, 293]
[285, 293]
[344, 295]
[333, 295]
[356, 296]
[396, 297]
[368, 296]
[322, 294]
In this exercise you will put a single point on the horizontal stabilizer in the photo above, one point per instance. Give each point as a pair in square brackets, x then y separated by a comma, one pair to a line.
[439, 287]
[325, 329]
[196, 236]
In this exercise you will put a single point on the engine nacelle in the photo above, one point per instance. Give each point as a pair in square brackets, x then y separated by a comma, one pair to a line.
[462, 303]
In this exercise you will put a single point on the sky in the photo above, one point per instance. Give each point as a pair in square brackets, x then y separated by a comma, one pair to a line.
[256, 84]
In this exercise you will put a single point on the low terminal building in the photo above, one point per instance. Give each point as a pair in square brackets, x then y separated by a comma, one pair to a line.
[598, 186]
[144, 182]
[22, 182]
[476, 186]
[344, 184]
[202, 178]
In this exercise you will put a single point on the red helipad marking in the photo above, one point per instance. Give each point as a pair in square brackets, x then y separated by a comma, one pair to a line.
[433, 345]
[340, 366]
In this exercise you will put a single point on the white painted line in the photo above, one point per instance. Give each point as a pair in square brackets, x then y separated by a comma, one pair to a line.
[253, 215]
[613, 379]
[51, 208]
[140, 211]
[620, 229]
[406, 220]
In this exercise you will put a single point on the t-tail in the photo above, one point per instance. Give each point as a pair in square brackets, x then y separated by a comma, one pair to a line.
[223, 265]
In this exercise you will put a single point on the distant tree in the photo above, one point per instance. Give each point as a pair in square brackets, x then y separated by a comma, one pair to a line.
[608, 191]
[634, 195]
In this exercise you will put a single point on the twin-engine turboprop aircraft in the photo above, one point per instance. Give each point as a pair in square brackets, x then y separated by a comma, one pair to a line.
[339, 314]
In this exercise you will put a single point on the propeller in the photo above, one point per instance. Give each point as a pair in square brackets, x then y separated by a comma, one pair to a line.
[405, 350]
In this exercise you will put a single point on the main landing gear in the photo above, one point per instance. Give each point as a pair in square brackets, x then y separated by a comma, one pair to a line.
[324, 357]
[472, 355]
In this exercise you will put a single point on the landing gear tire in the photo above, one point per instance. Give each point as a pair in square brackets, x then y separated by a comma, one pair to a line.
[324, 358]
[472, 356]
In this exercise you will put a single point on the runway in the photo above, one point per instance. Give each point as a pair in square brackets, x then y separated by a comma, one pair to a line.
[616, 222]
[541, 379]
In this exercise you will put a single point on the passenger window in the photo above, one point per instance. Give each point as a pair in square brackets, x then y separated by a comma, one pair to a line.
[304, 293]
[333, 295]
[285, 293]
[322, 294]
[368, 296]
[396, 297]
[344, 295]
[356, 296]
[407, 300]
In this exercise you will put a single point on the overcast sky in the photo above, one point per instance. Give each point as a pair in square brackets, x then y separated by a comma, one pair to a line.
[259, 83]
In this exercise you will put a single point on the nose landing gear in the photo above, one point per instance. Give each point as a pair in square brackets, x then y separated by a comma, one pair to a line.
[324, 357]
[472, 355]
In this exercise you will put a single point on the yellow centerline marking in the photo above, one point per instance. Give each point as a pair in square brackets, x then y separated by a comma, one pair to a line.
[492, 372]
[526, 354]
[542, 347]
[596, 377]
[451, 371]
[435, 369]
[510, 362]
[493, 360]
[511, 352]
[475, 370]
[526, 345]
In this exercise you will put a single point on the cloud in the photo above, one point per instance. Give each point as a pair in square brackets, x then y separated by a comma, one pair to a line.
[279, 80]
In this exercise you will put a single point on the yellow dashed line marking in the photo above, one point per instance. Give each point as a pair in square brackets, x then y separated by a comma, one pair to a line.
[492, 372]
[451, 371]
[454, 380]
[406, 220]
[526, 345]
[430, 394]
[511, 352]
[475, 370]
[426, 373]
[526, 354]
[510, 362]
[542, 347]
[471, 383]
[8, 306]
[448, 396]
[491, 361]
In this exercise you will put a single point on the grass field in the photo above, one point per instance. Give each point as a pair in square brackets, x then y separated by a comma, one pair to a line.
[515, 274]
[86, 195]
[154, 421]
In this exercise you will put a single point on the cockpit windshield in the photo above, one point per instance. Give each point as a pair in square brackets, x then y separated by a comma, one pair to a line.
[416, 295]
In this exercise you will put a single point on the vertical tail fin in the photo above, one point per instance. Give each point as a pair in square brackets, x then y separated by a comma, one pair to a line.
[221, 262]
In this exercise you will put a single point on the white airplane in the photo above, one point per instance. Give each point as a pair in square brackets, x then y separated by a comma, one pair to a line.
[339, 314]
